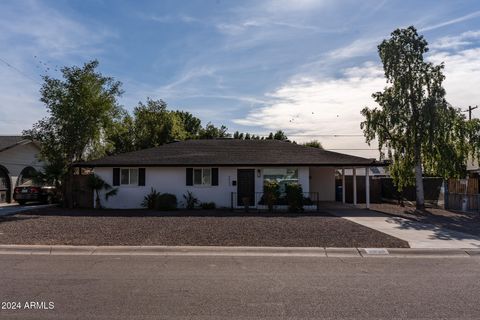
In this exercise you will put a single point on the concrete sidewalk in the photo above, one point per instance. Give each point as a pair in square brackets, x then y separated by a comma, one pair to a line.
[237, 251]
[417, 234]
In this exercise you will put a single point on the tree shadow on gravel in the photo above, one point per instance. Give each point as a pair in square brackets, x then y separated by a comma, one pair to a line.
[15, 218]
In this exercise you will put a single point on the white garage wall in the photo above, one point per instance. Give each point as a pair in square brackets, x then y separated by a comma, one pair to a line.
[18, 158]
[323, 181]
[173, 180]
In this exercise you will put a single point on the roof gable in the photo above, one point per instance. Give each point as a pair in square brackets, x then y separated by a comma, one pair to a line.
[8, 142]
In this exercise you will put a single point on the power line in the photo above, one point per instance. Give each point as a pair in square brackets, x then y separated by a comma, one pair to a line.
[18, 70]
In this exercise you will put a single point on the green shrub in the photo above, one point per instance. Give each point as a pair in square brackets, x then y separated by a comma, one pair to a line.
[271, 193]
[166, 201]
[208, 205]
[294, 197]
[151, 199]
[190, 200]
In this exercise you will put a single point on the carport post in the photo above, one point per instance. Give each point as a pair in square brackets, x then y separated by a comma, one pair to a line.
[367, 187]
[343, 185]
[354, 186]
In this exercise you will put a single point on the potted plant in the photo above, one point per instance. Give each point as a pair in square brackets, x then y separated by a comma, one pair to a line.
[271, 193]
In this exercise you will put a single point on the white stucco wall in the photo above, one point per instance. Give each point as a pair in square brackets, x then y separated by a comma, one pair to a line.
[323, 181]
[18, 158]
[173, 180]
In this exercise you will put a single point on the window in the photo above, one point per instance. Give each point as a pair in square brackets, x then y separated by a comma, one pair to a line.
[202, 177]
[129, 177]
[282, 176]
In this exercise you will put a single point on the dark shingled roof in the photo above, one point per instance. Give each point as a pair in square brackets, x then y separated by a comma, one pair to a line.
[231, 152]
[7, 142]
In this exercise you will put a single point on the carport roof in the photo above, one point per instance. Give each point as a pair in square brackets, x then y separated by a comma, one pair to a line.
[231, 152]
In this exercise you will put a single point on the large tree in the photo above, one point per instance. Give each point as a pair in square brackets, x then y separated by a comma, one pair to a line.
[81, 109]
[155, 125]
[423, 134]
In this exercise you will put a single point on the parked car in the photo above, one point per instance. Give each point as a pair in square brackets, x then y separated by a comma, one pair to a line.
[34, 193]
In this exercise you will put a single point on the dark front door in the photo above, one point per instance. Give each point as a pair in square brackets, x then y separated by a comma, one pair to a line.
[246, 186]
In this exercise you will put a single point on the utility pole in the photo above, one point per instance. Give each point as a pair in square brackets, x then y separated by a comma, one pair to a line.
[470, 108]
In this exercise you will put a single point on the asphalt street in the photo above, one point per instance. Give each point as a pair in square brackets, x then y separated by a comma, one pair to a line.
[222, 287]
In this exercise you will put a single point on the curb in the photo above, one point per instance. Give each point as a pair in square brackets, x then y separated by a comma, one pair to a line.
[238, 251]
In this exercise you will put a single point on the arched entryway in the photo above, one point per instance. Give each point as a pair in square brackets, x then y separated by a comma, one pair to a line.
[5, 185]
[26, 176]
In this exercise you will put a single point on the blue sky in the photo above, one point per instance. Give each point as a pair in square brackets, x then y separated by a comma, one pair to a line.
[307, 67]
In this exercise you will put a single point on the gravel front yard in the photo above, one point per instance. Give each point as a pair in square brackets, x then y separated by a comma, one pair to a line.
[181, 228]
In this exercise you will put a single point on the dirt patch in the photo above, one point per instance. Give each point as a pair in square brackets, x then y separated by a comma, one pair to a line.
[181, 228]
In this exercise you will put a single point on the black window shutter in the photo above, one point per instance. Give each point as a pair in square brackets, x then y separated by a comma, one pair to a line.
[214, 176]
[141, 176]
[116, 176]
[189, 173]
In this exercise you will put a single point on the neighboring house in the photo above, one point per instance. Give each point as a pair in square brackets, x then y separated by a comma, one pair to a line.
[224, 171]
[18, 160]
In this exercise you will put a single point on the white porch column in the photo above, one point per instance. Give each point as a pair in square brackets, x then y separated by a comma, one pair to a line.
[343, 185]
[367, 187]
[354, 186]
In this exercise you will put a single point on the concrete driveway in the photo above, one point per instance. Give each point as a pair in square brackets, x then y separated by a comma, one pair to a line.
[417, 234]
[14, 208]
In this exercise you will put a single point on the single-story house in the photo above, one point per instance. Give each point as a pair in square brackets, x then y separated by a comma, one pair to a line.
[223, 171]
[18, 160]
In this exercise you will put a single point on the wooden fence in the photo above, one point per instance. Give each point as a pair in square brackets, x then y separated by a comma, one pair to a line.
[463, 194]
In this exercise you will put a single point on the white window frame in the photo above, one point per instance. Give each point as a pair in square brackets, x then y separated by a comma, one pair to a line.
[129, 177]
[202, 173]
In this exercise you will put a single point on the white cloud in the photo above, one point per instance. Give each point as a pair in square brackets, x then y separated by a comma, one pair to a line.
[318, 106]
[462, 71]
[451, 21]
[456, 42]
[357, 48]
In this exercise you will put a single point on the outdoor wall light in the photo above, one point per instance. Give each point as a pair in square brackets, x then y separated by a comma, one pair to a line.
[259, 173]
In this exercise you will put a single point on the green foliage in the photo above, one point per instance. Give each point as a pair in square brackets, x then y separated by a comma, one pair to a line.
[166, 202]
[97, 184]
[294, 193]
[159, 201]
[271, 193]
[246, 136]
[190, 200]
[191, 124]
[313, 144]
[150, 200]
[154, 125]
[81, 110]
[121, 137]
[211, 132]
[419, 128]
[278, 135]
[208, 205]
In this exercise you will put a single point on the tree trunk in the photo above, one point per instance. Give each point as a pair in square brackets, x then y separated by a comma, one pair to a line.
[420, 199]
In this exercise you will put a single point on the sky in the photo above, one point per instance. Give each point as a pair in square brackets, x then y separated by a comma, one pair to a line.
[303, 66]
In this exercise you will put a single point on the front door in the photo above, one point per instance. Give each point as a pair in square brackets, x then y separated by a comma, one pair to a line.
[245, 186]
